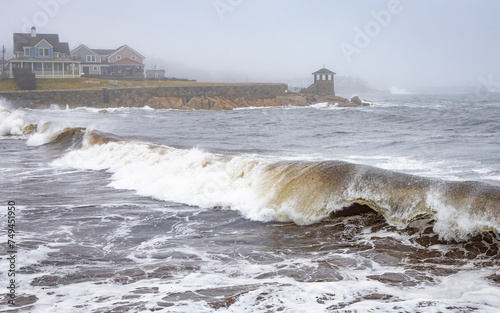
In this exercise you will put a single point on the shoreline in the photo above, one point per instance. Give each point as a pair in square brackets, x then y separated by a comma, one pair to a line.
[192, 96]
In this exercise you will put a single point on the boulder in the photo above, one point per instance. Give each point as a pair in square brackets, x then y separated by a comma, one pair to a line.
[356, 100]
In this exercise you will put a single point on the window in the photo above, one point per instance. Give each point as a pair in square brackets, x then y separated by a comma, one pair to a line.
[95, 68]
[44, 52]
[27, 52]
[118, 57]
[134, 57]
[91, 58]
[56, 55]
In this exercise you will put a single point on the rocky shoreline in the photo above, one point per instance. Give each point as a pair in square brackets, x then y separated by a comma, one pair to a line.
[196, 97]
[224, 103]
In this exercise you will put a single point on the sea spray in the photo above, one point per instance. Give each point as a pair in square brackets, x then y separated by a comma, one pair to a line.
[277, 190]
[265, 189]
[14, 123]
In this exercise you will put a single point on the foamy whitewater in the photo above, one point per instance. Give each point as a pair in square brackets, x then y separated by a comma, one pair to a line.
[393, 207]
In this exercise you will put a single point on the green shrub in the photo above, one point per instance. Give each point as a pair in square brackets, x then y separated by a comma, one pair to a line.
[25, 79]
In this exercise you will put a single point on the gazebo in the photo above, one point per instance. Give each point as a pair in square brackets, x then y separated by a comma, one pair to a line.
[323, 83]
[323, 74]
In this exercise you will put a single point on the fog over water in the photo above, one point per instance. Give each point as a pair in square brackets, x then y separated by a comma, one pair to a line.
[411, 45]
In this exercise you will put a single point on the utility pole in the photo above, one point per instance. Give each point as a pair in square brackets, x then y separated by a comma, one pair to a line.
[3, 59]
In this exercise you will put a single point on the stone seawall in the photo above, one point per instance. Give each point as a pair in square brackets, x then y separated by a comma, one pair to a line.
[158, 97]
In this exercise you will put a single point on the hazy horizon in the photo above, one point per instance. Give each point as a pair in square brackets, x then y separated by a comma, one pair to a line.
[403, 44]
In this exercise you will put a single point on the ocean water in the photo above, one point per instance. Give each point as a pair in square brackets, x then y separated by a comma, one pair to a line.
[393, 207]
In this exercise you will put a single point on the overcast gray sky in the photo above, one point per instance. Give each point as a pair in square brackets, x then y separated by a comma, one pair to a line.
[404, 43]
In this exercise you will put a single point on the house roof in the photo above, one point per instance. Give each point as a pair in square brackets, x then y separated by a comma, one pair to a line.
[82, 46]
[127, 62]
[127, 46]
[63, 47]
[104, 51]
[22, 40]
[108, 52]
[323, 71]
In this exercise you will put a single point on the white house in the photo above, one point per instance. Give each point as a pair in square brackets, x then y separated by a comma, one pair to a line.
[155, 74]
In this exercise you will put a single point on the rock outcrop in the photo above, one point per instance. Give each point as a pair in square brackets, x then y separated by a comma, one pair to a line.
[202, 97]
[223, 103]
[336, 101]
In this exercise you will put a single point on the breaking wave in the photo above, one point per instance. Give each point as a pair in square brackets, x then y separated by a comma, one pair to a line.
[14, 123]
[264, 189]
[302, 192]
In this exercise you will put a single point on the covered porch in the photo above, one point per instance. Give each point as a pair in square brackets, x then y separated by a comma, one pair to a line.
[126, 68]
[48, 69]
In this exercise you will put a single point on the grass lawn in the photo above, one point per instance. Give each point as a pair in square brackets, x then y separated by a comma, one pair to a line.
[83, 83]
[8, 84]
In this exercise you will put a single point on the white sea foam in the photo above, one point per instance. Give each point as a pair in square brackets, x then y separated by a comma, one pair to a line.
[190, 176]
[399, 91]
[103, 110]
[463, 290]
[45, 133]
[320, 105]
[12, 123]
[294, 296]
[256, 287]
[34, 256]
[458, 170]
[252, 108]
[452, 222]
[247, 184]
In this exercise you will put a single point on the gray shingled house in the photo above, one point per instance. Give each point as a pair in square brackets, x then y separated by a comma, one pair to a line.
[44, 54]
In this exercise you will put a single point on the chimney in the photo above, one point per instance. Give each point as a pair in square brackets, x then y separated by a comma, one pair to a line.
[33, 31]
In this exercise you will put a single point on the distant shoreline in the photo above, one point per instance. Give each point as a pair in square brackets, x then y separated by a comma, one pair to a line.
[182, 95]
[192, 95]
[52, 84]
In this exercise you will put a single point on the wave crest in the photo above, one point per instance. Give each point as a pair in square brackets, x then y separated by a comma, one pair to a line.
[14, 123]
[289, 191]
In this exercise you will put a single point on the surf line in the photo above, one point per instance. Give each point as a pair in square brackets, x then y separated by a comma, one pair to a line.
[11, 251]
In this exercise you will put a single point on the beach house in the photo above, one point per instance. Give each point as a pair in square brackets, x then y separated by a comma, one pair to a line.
[120, 62]
[44, 54]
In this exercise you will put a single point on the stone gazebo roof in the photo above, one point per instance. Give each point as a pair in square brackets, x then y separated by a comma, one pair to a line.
[324, 71]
